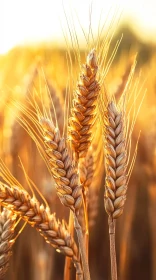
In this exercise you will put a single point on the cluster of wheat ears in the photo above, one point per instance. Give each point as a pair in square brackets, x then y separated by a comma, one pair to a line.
[88, 136]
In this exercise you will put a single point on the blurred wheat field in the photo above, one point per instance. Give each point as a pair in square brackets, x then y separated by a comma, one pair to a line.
[26, 71]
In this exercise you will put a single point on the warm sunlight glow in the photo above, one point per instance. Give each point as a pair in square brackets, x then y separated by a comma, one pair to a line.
[29, 21]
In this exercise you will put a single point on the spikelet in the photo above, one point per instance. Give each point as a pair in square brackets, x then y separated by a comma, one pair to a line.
[62, 168]
[57, 104]
[86, 169]
[89, 169]
[115, 161]
[93, 206]
[84, 107]
[7, 225]
[29, 78]
[125, 77]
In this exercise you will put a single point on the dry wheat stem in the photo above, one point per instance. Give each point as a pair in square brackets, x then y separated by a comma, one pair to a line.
[29, 209]
[67, 268]
[111, 224]
[7, 225]
[68, 264]
[84, 107]
[82, 249]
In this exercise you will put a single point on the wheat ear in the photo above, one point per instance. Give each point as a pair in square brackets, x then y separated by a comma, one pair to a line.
[61, 166]
[116, 173]
[29, 209]
[29, 79]
[54, 151]
[125, 77]
[84, 107]
[115, 162]
[66, 177]
[7, 225]
[57, 104]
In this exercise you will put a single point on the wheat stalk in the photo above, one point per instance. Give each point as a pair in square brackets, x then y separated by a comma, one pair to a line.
[29, 209]
[7, 225]
[68, 264]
